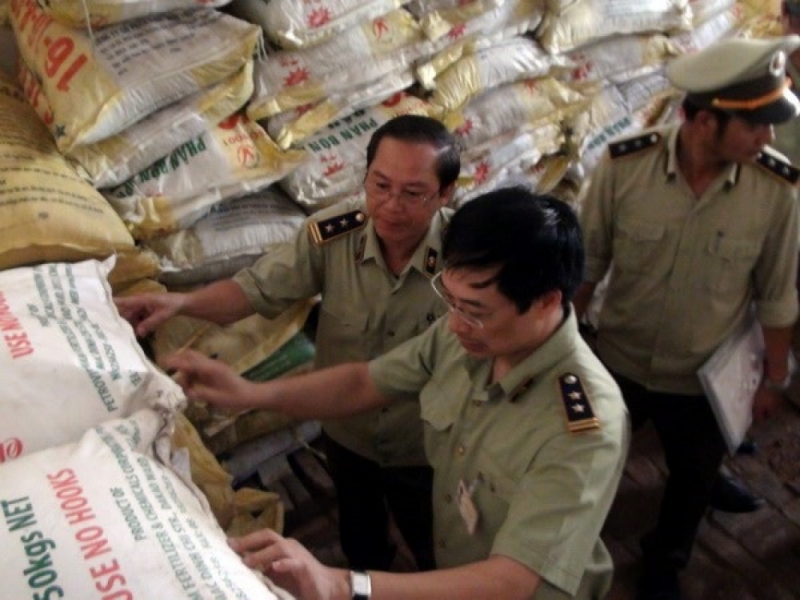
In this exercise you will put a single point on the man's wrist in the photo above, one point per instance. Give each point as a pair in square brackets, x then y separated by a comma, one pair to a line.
[360, 585]
[776, 385]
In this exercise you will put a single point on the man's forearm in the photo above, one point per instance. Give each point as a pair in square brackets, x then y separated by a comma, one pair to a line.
[777, 342]
[222, 302]
[495, 577]
[338, 391]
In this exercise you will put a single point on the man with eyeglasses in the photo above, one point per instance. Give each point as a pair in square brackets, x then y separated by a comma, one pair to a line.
[372, 263]
[525, 429]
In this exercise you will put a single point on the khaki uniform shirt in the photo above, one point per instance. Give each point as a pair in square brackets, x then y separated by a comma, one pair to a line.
[541, 491]
[787, 135]
[365, 311]
[685, 270]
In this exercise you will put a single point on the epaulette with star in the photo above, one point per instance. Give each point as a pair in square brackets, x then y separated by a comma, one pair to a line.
[327, 230]
[779, 167]
[578, 409]
[633, 145]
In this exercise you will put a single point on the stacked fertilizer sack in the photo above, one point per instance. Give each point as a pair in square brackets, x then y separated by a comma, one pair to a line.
[93, 499]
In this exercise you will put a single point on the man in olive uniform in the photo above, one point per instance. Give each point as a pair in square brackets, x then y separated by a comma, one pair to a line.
[700, 221]
[526, 430]
[372, 262]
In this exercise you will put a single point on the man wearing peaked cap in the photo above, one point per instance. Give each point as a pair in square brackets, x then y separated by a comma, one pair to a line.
[700, 219]
[743, 77]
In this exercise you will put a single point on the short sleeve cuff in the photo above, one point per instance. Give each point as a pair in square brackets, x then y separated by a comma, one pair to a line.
[777, 314]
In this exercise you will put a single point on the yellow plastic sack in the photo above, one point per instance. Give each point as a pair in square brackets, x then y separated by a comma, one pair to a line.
[116, 159]
[367, 52]
[100, 13]
[99, 86]
[246, 509]
[47, 212]
[295, 127]
[588, 21]
[300, 23]
[234, 158]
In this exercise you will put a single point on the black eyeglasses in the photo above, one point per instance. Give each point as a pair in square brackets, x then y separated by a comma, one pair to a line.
[382, 191]
[441, 291]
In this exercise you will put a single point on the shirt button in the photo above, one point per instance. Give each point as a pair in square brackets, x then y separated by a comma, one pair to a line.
[460, 451]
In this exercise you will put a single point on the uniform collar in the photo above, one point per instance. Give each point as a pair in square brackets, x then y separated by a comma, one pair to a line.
[427, 258]
[733, 171]
[544, 359]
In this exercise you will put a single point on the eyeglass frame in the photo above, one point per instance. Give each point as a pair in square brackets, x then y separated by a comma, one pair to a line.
[388, 194]
[469, 319]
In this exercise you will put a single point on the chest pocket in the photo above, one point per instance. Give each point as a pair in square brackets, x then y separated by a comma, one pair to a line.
[342, 330]
[732, 264]
[638, 246]
[438, 417]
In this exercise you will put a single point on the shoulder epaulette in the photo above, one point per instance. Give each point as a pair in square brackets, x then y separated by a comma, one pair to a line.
[779, 167]
[633, 145]
[324, 231]
[579, 411]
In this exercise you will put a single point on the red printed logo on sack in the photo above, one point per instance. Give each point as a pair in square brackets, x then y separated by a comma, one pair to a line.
[10, 449]
[319, 17]
[248, 157]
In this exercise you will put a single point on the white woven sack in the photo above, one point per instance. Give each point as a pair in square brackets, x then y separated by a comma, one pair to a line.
[506, 61]
[101, 13]
[484, 167]
[230, 237]
[69, 360]
[234, 158]
[513, 106]
[587, 21]
[362, 54]
[457, 32]
[110, 517]
[619, 58]
[299, 23]
[293, 128]
[717, 27]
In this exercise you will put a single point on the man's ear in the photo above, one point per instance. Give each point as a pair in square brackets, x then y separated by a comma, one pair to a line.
[550, 300]
[446, 195]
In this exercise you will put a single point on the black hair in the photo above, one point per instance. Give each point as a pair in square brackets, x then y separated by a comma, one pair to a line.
[691, 108]
[419, 129]
[535, 239]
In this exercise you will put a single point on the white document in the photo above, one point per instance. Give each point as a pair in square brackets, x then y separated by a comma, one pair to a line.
[730, 378]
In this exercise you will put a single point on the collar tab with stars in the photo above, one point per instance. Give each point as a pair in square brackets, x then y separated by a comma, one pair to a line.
[579, 411]
[327, 230]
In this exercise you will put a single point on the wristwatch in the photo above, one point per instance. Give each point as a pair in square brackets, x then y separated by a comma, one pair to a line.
[360, 585]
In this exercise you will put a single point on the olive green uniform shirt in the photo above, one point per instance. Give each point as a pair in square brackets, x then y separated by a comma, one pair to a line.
[787, 135]
[541, 491]
[685, 270]
[365, 311]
